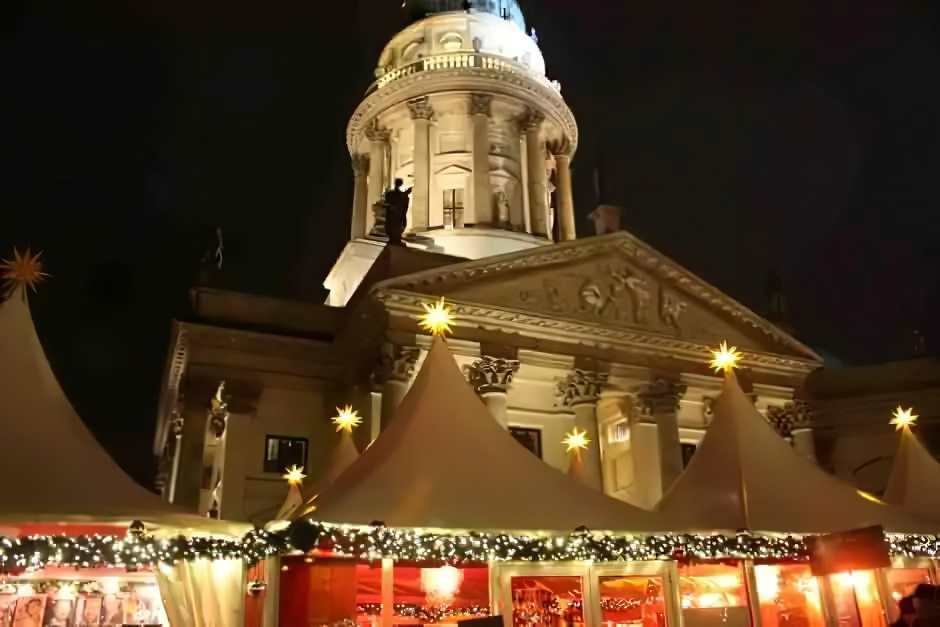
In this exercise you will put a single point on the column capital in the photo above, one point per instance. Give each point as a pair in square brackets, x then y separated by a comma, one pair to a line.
[376, 133]
[531, 120]
[581, 387]
[560, 149]
[481, 104]
[661, 396]
[420, 108]
[795, 416]
[397, 363]
[490, 375]
[360, 164]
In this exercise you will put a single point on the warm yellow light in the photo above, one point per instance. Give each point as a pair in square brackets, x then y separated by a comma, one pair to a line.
[295, 475]
[869, 497]
[441, 585]
[346, 419]
[768, 583]
[24, 269]
[902, 418]
[437, 318]
[725, 359]
[576, 441]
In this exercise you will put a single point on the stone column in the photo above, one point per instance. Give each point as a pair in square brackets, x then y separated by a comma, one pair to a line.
[378, 138]
[480, 107]
[580, 391]
[360, 213]
[491, 378]
[421, 113]
[535, 157]
[564, 193]
[660, 401]
[192, 446]
[395, 372]
[644, 446]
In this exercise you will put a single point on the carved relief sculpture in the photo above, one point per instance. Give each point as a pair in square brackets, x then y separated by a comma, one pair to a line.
[397, 363]
[420, 108]
[671, 309]
[491, 374]
[481, 104]
[218, 411]
[502, 209]
[661, 396]
[580, 387]
[789, 418]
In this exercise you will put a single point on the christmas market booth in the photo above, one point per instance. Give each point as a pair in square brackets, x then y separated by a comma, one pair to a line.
[445, 518]
[80, 542]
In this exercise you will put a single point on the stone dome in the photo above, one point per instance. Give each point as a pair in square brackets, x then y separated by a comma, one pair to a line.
[419, 9]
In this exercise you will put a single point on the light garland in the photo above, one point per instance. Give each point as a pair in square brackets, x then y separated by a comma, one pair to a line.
[423, 613]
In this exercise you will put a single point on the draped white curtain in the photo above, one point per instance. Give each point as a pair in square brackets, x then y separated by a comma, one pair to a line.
[203, 593]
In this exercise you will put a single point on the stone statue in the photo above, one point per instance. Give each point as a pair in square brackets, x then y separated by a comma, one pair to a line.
[396, 212]
[502, 208]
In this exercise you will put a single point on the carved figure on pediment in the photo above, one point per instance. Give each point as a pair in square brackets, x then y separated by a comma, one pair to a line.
[641, 298]
[672, 309]
[601, 300]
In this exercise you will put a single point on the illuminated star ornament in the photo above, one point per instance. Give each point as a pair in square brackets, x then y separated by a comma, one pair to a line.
[437, 318]
[295, 475]
[576, 441]
[725, 359]
[346, 419]
[24, 269]
[903, 418]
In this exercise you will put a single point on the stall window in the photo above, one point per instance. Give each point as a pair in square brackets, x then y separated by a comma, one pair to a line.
[547, 601]
[529, 438]
[632, 600]
[440, 595]
[280, 453]
[713, 594]
[856, 600]
[902, 581]
[788, 596]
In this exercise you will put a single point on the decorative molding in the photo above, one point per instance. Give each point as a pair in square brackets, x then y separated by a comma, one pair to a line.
[360, 165]
[420, 108]
[397, 363]
[647, 258]
[791, 417]
[466, 79]
[531, 120]
[581, 387]
[491, 374]
[481, 104]
[377, 134]
[661, 396]
[560, 148]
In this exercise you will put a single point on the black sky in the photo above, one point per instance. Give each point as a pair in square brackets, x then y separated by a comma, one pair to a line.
[801, 136]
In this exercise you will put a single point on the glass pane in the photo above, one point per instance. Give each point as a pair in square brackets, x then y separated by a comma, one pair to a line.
[549, 601]
[856, 600]
[440, 595]
[789, 596]
[713, 594]
[902, 581]
[632, 601]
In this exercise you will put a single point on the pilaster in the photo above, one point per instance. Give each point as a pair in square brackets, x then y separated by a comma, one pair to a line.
[480, 111]
[421, 114]
[360, 213]
[659, 401]
[531, 124]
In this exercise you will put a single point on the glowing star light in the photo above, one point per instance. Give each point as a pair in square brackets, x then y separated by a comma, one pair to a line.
[346, 419]
[24, 269]
[295, 475]
[576, 441]
[725, 359]
[437, 318]
[902, 418]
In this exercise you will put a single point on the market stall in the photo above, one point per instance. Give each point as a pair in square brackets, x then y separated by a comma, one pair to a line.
[80, 542]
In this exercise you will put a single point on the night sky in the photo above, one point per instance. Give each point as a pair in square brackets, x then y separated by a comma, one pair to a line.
[741, 138]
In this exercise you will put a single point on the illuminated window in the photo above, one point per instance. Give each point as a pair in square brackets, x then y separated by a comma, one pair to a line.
[548, 601]
[280, 453]
[632, 600]
[619, 432]
[713, 594]
[529, 438]
[902, 581]
[788, 595]
[856, 600]
[453, 208]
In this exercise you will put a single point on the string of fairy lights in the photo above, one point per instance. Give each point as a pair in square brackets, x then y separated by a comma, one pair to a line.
[139, 550]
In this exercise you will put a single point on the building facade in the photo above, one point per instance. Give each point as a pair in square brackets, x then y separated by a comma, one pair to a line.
[601, 333]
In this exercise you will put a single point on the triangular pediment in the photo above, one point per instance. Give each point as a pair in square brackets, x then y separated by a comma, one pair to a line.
[614, 282]
[454, 168]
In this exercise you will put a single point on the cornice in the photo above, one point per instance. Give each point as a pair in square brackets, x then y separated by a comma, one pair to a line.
[490, 318]
[531, 91]
[644, 255]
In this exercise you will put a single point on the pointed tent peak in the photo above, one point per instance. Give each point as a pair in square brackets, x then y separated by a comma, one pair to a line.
[903, 419]
[443, 462]
[342, 457]
[346, 419]
[725, 359]
[24, 270]
[914, 482]
[745, 476]
[437, 318]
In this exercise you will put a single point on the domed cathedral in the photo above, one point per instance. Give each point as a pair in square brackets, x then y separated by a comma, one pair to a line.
[463, 113]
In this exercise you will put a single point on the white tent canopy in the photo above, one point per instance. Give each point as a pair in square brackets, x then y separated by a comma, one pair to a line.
[914, 483]
[52, 468]
[745, 476]
[444, 462]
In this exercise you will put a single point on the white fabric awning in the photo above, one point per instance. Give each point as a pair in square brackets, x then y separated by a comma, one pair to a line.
[52, 468]
[444, 462]
[914, 483]
[745, 476]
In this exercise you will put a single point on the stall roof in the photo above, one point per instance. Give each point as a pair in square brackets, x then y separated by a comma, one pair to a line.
[444, 462]
[53, 469]
[746, 477]
[914, 483]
